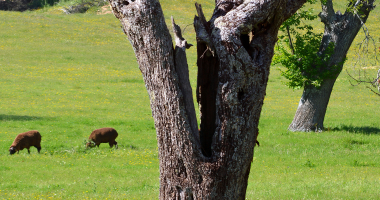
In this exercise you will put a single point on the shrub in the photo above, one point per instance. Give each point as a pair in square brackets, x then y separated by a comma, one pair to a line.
[83, 6]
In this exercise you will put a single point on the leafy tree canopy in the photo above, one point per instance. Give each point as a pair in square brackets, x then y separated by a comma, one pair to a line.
[304, 62]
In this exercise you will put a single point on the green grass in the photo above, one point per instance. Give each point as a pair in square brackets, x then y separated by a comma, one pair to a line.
[66, 75]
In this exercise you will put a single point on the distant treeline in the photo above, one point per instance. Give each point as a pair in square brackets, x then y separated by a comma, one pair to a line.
[22, 5]
[79, 6]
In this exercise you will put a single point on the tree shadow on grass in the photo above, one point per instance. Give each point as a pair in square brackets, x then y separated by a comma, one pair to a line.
[367, 130]
[18, 118]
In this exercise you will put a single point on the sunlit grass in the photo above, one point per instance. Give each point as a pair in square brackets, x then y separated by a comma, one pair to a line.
[66, 75]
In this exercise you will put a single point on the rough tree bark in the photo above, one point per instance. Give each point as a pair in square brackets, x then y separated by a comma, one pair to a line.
[340, 29]
[213, 163]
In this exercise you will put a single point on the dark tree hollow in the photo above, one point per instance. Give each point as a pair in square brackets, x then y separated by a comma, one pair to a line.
[207, 83]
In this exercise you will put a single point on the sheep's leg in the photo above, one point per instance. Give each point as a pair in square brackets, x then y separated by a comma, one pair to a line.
[28, 151]
[38, 149]
[116, 146]
[111, 144]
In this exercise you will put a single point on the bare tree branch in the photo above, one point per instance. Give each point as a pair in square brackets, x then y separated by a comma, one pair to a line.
[364, 51]
[328, 13]
[292, 6]
[290, 40]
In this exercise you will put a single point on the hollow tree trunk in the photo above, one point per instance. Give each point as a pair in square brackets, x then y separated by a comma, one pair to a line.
[215, 162]
[340, 29]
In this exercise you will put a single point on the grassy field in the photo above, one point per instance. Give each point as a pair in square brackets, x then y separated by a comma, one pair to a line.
[66, 75]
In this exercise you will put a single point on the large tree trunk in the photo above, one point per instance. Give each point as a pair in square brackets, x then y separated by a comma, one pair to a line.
[312, 107]
[341, 30]
[215, 162]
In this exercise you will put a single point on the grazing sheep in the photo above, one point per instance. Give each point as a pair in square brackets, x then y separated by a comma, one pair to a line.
[102, 135]
[26, 140]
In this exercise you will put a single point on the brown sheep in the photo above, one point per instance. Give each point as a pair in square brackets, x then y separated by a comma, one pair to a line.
[102, 135]
[26, 140]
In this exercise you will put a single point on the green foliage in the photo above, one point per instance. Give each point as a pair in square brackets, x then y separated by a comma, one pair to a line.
[304, 63]
[356, 8]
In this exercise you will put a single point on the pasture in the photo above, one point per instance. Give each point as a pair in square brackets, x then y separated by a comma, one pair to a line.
[66, 75]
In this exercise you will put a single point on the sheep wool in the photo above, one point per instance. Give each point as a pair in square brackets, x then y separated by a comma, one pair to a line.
[26, 140]
[103, 135]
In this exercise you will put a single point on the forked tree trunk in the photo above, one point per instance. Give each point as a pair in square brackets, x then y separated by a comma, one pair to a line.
[341, 29]
[233, 72]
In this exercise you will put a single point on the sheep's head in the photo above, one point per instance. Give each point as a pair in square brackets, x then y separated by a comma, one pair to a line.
[12, 150]
[90, 144]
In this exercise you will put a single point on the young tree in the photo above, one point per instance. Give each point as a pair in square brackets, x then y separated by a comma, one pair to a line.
[317, 69]
[213, 163]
